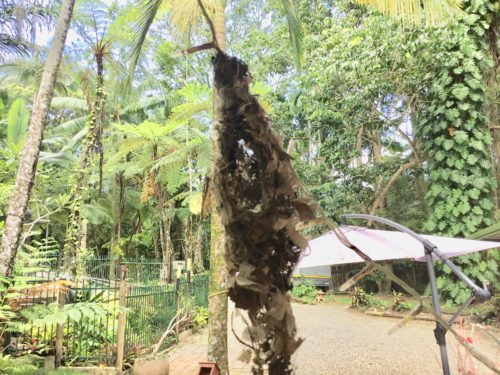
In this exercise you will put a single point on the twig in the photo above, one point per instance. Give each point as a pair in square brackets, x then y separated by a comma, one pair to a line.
[235, 335]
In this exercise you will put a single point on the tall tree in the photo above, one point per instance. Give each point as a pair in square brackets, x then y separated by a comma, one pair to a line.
[26, 172]
[454, 128]
[95, 37]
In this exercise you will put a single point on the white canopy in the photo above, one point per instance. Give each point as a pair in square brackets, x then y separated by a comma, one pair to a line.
[381, 245]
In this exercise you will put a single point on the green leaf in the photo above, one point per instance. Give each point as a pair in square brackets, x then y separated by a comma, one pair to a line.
[460, 91]
[17, 122]
[448, 144]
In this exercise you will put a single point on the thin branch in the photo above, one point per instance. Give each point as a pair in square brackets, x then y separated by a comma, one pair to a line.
[392, 181]
[410, 142]
[236, 335]
[191, 50]
[170, 329]
[210, 24]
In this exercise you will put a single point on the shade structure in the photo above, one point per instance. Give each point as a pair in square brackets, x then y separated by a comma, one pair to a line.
[382, 245]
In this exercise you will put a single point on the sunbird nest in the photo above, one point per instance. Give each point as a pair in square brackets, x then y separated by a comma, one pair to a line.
[260, 201]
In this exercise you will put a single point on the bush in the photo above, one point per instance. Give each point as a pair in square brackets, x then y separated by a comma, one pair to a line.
[199, 318]
[399, 302]
[305, 291]
[359, 297]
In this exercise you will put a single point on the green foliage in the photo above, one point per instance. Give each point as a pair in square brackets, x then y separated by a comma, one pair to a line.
[23, 365]
[17, 123]
[456, 139]
[399, 302]
[200, 317]
[359, 297]
[304, 291]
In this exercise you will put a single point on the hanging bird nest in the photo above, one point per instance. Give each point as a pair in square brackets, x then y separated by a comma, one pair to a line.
[260, 201]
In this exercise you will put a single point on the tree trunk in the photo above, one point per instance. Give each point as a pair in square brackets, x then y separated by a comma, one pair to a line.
[384, 286]
[198, 250]
[26, 171]
[165, 222]
[99, 57]
[117, 207]
[94, 122]
[359, 147]
[217, 300]
[217, 304]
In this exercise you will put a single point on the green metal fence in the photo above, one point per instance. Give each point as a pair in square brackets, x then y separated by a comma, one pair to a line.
[150, 306]
[150, 309]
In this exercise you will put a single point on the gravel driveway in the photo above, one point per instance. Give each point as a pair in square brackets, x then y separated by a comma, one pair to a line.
[341, 341]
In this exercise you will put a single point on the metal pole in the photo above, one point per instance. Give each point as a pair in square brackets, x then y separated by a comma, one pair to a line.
[439, 331]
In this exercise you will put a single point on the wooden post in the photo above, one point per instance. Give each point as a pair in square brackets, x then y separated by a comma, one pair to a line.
[120, 341]
[61, 299]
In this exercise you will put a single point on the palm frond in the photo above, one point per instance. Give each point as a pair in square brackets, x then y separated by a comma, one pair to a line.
[143, 104]
[66, 102]
[187, 14]
[73, 141]
[53, 157]
[418, 12]
[10, 46]
[295, 30]
[184, 112]
[147, 15]
[96, 214]
[178, 156]
[70, 127]
[22, 71]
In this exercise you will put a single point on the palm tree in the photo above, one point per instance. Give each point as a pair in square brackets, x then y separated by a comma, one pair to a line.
[19, 21]
[25, 176]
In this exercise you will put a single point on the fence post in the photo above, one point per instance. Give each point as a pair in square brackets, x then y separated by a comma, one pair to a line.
[120, 341]
[177, 296]
[61, 299]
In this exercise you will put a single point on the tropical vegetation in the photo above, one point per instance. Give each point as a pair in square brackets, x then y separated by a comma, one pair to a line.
[109, 149]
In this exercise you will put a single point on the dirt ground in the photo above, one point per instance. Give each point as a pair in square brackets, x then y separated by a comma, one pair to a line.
[340, 341]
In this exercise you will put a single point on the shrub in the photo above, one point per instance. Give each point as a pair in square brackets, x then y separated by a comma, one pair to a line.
[399, 302]
[304, 290]
[359, 297]
[199, 318]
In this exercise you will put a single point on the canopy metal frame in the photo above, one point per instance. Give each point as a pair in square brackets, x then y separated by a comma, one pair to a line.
[477, 293]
